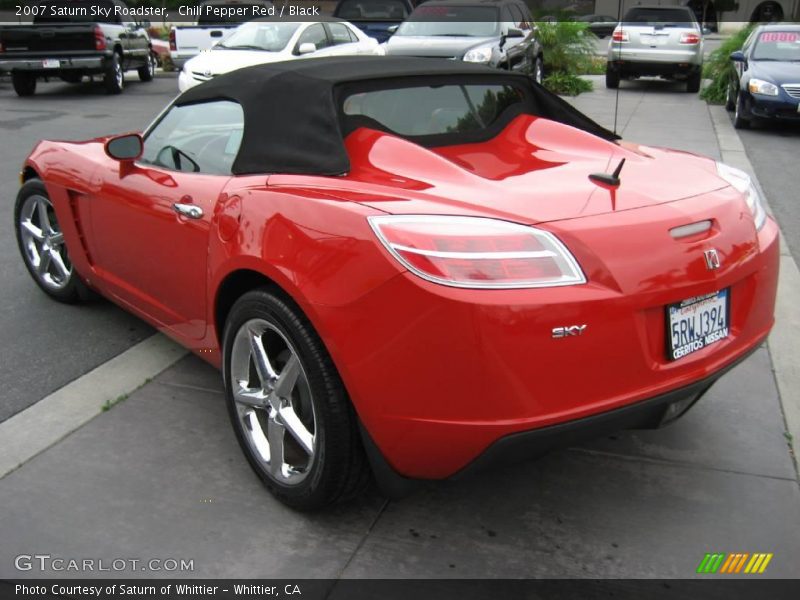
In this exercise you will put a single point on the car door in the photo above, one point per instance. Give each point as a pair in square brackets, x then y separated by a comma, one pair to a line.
[515, 47]
[151, 220]
[343, 41]
[313, 34]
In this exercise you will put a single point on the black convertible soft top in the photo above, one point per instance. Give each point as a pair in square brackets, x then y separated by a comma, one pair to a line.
[291, 117]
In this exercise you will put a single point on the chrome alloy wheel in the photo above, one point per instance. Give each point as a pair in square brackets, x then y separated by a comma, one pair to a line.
[273, 402]
[118, 74]
[43, 243]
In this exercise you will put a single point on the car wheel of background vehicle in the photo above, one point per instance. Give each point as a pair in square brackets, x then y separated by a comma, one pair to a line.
[41, 244]
[538, 70]
[693, 83]
[739, 119]
[114, 78]
[730, 97]
[24, 83]
[612, 78]
[148, 71]
[288, 406]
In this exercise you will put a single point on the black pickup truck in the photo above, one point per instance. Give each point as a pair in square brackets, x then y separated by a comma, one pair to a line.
[67, 42]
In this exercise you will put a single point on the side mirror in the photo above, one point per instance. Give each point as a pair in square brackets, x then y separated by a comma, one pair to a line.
[307, 48]
[513, 32]
[737, 56]
[126, 147]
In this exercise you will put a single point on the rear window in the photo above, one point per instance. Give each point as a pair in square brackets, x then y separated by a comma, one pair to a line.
[778, 45]
[451, 21]
[435, 110]
[371, 10]
[664, 17]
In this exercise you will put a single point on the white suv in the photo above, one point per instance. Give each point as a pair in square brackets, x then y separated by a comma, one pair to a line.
[664, 41]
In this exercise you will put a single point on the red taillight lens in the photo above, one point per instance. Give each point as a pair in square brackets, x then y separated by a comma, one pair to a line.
[172, 45]
[99, 38]
[690, 38]
[476, 252]
[620, 36]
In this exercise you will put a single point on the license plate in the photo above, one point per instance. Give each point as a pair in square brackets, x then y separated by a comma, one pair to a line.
[695, 323]
[51, 63]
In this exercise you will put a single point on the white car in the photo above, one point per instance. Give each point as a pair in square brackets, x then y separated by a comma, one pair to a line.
[266, 41]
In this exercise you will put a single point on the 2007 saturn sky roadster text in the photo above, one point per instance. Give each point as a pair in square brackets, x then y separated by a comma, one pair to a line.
[406, 267]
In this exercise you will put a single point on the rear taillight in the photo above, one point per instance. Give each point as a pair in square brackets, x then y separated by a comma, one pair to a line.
[473, 252]
[173, 47]
[99, 38]
[690, 38]
[619, 36]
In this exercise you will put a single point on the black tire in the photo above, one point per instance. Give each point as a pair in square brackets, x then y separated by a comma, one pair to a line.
[114, 77]
[337, 469]
[148, 71]
[69, 289]
[693, 83]
[612, 78]
[730, 97]
[24, 83]
[740, 118]
[71, 77]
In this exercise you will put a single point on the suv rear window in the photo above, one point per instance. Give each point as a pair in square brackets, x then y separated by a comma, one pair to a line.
[665, 17]
[438, 110]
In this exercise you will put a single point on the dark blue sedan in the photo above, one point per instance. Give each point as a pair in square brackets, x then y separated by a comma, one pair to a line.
[766, 84]
[379, 19]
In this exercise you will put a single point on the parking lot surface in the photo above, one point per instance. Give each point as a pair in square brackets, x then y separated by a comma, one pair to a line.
[160, 474]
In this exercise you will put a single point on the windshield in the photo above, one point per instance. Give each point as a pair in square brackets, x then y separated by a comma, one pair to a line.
[372, 10]
[429, 110]
[76, 11]
[661, 17]
[453, 21]
[269, 37]
[778, 45]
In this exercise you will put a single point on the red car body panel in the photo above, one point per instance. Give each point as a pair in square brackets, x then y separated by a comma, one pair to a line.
[437, 374]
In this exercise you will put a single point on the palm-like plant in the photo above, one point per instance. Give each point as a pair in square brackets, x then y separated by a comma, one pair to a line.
[568, 48]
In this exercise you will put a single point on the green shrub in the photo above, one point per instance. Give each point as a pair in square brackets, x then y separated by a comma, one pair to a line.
[719, 67]
[567, 84]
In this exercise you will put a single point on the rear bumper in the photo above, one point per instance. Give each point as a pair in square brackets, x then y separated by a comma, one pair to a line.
[35, 65]
[438, 375]
[655, 69]
[692, 55]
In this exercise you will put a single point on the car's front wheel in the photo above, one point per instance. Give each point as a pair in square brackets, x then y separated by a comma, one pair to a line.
[41, 244]
[740, 118]
[148, 71]
[288, 406]
[538, 70]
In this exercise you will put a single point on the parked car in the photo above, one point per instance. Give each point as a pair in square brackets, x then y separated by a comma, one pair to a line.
[268, 41]
[766, 78]
[664, 41]
[497, 33]
[71, 47]
[210, 27]
[376, 18]
[600, 25]
[421, 266]
[161, 51]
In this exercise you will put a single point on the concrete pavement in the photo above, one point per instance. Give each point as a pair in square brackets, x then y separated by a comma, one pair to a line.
[160, 475]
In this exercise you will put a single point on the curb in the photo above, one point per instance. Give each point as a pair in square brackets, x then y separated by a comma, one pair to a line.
[784, 341]
[54, 417]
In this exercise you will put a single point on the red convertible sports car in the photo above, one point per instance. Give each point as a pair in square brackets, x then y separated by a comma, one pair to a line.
[409, 267]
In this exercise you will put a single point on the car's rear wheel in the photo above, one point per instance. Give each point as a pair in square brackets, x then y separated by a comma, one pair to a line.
[114, 77]
[612, 78]
[730, 97]
[24, 83]
[693, 83]
[288, 406]
[740, 118]
[41, 244]
[148, 71]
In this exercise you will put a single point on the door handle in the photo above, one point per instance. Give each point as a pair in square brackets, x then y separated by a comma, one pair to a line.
[192, 211]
